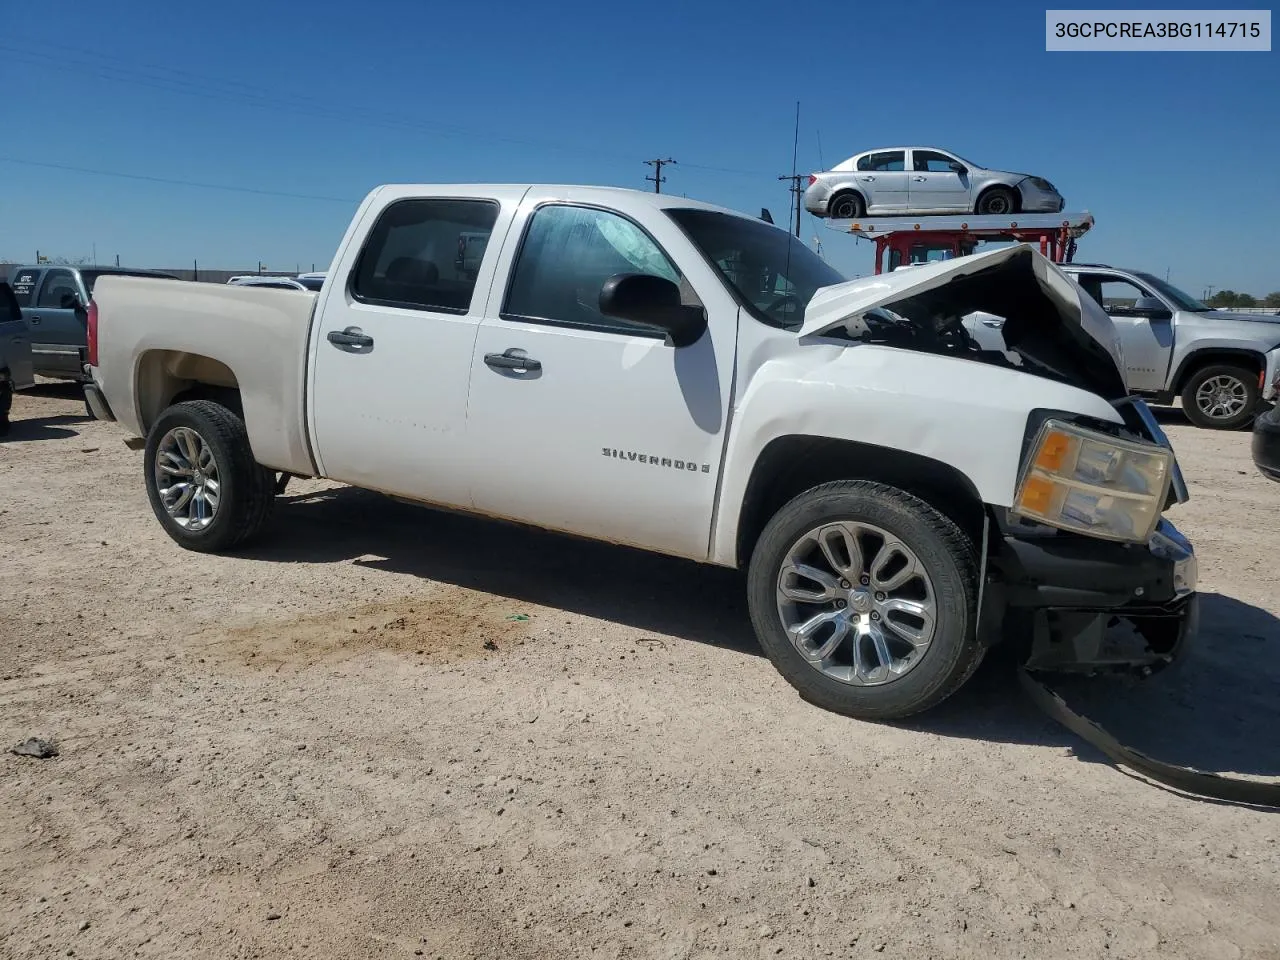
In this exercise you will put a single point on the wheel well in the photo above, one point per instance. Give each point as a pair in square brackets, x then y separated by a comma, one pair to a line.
[846, 192]
[165, 377]
[790, 465]
[1017, 196]
[1207, 358]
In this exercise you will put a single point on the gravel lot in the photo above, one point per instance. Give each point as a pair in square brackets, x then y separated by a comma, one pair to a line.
[349, 742]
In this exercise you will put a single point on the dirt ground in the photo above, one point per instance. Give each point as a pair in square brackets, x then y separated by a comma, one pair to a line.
[389, 732]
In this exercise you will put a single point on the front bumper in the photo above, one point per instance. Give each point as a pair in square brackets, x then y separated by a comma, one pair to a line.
[1266, 443]
[1040, 201]
[1080, 604]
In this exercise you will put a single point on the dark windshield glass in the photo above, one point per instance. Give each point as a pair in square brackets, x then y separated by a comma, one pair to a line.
[1182, 300]
[772, 273]
[90, 277]
[311, 283]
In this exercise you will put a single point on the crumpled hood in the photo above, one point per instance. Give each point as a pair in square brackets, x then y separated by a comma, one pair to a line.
[1048, 317]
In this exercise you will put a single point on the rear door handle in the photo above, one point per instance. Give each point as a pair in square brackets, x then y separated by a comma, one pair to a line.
[35, 319]
[350, 337]
[918, 179]
[512, 358]
[996, 322]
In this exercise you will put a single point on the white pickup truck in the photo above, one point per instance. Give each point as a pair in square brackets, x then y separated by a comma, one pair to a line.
[657, 372]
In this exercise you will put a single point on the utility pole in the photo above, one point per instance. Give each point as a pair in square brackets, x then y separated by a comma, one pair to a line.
[657, 179]
[795, 188]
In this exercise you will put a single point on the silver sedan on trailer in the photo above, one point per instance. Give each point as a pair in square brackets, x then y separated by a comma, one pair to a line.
[902, 181]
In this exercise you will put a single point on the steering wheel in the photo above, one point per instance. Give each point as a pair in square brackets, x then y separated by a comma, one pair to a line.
[780, 300]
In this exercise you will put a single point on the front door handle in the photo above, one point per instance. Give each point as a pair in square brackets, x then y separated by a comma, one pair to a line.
[996, 322]
[351, 337]
[512, 358]
[35, 320]
[918, 179]
[866, 178]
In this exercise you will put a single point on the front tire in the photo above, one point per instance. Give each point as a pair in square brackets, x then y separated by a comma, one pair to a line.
[997, 202]
[864, 598]
[203, 483]
[1222, 396]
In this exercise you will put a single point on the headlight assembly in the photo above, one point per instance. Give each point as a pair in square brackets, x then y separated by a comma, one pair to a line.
[1092, 483]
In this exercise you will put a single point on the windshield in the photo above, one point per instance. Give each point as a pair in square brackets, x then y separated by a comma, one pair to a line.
[773, 274]
[90, 277]
[312, 283]
[1181, 300]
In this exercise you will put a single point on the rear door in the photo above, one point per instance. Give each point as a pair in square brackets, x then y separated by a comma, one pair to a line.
[15, 341]
[392, 356]
[934, 187]
[58, 324]
[1148, 342]
[882, 178]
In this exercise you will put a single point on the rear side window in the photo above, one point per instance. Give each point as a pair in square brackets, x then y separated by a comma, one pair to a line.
[425, 254]
[888, 161]
[24, 286]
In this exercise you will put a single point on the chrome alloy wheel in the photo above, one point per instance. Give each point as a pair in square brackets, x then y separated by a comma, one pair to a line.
[187, 478]
[856, 603]
[1222, 397]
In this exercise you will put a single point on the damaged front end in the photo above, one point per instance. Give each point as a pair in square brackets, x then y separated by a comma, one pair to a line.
[1081, 572]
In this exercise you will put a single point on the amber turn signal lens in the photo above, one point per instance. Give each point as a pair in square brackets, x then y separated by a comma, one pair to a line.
[1053, 451]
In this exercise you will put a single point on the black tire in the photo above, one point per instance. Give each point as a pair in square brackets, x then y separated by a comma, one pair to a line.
[6, 404]
[1248, 380]
[998, 202]
[948, 556]
[847, 206]
[247, 490]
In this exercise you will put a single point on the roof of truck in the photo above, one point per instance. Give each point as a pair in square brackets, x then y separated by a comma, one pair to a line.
[661, 200]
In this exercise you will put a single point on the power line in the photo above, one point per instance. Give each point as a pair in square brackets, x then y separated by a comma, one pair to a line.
[658, 179]
[175, 182]
[185, 83]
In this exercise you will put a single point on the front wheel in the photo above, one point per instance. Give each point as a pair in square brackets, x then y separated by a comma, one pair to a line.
[203, 483]
[864, 597]
[997, 202]
[1221, 397]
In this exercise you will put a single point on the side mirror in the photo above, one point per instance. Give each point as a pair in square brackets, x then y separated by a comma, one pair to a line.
[654, 302]
[1150, 308]
[70, 301]
[959, 168]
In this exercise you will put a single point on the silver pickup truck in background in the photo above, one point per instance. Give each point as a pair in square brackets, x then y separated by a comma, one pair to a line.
[1223, 366]
[53, 300]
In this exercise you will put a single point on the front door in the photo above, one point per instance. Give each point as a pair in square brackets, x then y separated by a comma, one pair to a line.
[934, 187]
[392, 356]
[1147, 342]
[882, 178]
[602, 429]
[59, 331]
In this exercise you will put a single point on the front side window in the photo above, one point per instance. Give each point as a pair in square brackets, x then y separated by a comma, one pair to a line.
[414, 255]
[1184, 300]
[58, 285]
[24, 286]
[888, 161]
[771, 273]
[567, 254]
[930, 161]
[1115, 296]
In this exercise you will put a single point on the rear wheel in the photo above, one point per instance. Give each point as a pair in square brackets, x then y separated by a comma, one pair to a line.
[864, 598]
[847, 206]
[204, 485]
[1221, 396]
[997, 202]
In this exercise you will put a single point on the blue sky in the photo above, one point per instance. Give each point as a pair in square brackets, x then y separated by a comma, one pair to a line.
[1176, 155]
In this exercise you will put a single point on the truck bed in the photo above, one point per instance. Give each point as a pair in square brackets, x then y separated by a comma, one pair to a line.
[157, 338]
